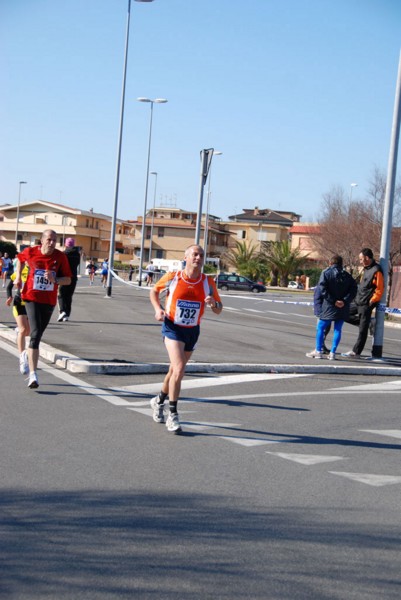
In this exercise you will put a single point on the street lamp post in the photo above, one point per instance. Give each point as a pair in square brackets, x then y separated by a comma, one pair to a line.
[206, 238]
[120, 137]
[353, 185]
[151, 102]
[153, 216]
[19, 201]
[206, 156]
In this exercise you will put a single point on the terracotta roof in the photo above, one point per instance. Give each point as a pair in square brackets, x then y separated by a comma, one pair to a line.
[309, 229]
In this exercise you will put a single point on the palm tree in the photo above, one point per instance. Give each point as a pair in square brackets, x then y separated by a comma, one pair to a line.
[282, 260]
[240, 256]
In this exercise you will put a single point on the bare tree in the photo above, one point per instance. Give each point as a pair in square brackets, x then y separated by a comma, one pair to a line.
[344, 227]
[347, 226]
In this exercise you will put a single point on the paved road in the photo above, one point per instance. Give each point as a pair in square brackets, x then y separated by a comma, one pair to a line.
[281, 487]
[261, 329]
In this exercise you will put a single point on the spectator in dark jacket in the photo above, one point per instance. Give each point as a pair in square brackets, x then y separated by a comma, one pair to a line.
[66, 292]
[317, 309]
[338, 289]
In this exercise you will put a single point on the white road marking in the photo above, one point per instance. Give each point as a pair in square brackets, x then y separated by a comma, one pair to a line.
[307, 459]
[189, 384]
[390, 386]
[370, 479]
[389, 432]
[201, 426]
[64, 376]
[249, 442]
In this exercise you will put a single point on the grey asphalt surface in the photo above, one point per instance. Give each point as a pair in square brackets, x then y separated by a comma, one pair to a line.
[280, 487]
[119, 335]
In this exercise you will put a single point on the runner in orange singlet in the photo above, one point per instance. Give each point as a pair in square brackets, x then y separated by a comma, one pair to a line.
[188, 293]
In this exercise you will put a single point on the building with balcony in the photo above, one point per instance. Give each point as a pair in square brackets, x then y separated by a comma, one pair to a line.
[91, 230]
[170, 230]
[256, 226]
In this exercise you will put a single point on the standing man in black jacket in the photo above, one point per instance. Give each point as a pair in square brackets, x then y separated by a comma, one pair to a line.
[370, 291]
[66, 292]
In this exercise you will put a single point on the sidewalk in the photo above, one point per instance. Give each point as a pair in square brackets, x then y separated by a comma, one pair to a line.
[103, 332]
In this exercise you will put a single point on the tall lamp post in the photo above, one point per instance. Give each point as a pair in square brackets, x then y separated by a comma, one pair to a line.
[153, 215]
[18, 205]
[206, 238]
[120, 137]
[151, 102]
[352, 186]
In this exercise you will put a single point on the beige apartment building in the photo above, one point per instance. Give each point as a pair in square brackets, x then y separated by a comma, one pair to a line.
[168, 230]
[303, 236]
[91, 230]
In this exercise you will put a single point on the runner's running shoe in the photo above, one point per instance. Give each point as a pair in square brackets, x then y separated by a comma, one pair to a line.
[33, 381]
[23, 363]
[158, 410]
[173, 423]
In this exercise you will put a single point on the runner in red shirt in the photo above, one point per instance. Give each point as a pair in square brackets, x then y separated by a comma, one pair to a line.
[188, 293]
[48, 268]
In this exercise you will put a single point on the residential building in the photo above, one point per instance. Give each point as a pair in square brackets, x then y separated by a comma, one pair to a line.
[302, 237]
[91, 230]
[170, 230]
[256, 226]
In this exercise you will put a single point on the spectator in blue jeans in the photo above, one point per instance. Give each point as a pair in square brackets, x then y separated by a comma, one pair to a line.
[337, 289]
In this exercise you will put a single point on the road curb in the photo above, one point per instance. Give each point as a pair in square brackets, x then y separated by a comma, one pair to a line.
[74, 364]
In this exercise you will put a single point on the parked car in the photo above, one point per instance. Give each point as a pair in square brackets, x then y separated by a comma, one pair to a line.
[225, 281]
[294, 285]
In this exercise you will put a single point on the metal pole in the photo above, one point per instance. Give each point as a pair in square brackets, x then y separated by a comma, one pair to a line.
[117, 181]
[153, 217]
[146, 196]
[19, 201]
[203, 175]
[377, 349]
[206, 233]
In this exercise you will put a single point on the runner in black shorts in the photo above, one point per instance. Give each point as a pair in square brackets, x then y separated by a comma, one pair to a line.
[48, 268]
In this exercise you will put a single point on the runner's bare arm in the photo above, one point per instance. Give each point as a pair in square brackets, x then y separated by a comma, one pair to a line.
[155, 301]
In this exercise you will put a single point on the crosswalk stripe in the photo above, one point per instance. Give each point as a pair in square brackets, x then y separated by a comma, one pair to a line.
[369, 478]
[249, 442]
[389, 432]
[306, 459]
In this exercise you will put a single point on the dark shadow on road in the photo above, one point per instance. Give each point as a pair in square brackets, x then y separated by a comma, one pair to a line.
[103, 545]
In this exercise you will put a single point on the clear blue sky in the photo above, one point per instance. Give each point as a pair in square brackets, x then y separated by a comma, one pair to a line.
[297, 94]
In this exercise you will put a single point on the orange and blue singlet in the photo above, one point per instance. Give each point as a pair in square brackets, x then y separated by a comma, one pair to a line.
[185, 303]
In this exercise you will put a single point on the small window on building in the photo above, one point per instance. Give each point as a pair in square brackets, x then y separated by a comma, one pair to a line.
[160, 232]
[159, 254]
